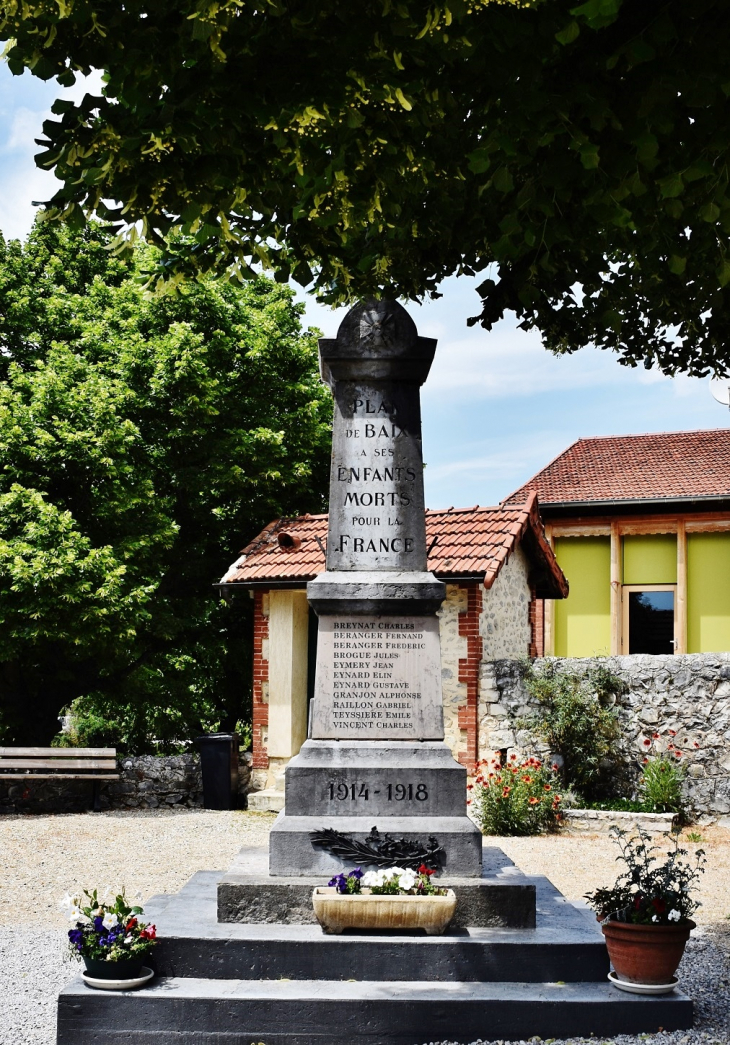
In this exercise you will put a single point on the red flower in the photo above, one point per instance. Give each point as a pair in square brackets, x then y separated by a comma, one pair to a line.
[513, 758]
[506, 792]
[546, 787]
[533, 801]
[672, 732]
[470, 787]
[131, 924]
[527, 779]
[677, 753]
[655, 735]
[645, 760]
[426, 870]
[556, 767]
[659, 905]
[148, 933]
[646, 742]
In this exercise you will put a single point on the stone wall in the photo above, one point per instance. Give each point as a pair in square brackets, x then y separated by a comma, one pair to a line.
[505, 618]
[687, 694]
[145, 782]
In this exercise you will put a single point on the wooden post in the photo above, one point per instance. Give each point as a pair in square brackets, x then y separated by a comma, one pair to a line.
[615, 589]
[549, 609]
[680, 622]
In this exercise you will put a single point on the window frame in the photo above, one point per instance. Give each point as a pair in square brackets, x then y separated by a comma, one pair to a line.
[625, 590]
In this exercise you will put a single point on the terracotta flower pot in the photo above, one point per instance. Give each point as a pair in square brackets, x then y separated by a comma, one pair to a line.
[647, 954]
[338, 911]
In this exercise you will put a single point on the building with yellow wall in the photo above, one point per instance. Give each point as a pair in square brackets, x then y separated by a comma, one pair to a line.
[640, 525]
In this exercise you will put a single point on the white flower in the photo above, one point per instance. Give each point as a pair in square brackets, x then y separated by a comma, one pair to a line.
[393, 871]
[128, 939]
[654, 918]
[407, 880]
[674, 916]
[109, 920]
[370, 878]
[67, 902]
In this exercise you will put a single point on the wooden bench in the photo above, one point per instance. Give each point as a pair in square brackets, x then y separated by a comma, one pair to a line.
[63, 763]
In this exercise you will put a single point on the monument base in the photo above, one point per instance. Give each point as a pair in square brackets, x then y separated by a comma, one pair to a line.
[294, 985]
[412, 790]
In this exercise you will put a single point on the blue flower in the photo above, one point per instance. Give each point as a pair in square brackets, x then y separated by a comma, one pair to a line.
[99, 924]
[357, 873]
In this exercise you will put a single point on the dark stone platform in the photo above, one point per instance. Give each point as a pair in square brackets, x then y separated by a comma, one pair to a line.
[288, 984]
[302, 1012]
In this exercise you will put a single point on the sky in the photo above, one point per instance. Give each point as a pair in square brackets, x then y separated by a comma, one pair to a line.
[497, 406]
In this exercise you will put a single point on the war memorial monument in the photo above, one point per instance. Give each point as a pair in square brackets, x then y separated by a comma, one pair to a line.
[241, 959]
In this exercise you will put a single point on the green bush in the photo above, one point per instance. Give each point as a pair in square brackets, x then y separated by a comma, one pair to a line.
[576, 719]
[517, 798]
[661, 785]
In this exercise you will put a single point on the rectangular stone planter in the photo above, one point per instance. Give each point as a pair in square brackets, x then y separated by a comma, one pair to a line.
[336, 912]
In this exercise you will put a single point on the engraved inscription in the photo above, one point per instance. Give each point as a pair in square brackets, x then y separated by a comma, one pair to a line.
[377, 678]
[342, 792]
[376, 481]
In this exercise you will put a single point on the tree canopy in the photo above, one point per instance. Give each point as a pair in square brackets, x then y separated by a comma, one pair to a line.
[575, 154]
[141, 440]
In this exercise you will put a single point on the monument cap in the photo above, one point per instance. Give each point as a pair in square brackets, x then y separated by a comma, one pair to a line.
[377, 340]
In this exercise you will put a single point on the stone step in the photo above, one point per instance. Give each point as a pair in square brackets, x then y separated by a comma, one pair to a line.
[265, 898]
[565, 945]
[191, 1011]
[303, 952]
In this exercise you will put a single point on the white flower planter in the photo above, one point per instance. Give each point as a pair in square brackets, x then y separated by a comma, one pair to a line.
[336, 912]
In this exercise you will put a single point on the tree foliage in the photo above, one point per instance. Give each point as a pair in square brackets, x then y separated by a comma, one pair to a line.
[575, 154]
[141, 440]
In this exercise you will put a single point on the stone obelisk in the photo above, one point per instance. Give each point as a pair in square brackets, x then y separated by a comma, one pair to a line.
[376, 755]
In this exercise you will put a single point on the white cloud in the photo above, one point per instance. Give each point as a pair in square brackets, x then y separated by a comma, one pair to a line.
[22, 182]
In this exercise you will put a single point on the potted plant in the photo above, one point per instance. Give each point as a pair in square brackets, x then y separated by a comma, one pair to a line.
[645, 915]
[389, 898]
[110, 939]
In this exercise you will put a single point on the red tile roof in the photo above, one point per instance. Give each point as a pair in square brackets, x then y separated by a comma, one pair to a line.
[463, 542]
[665, 466]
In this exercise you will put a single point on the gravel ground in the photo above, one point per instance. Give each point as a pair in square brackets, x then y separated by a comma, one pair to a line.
[156, 851]
[145, 851]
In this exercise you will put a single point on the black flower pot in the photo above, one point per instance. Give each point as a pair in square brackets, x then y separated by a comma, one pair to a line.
[99, 969]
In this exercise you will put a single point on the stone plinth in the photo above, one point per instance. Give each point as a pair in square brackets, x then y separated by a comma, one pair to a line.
[358, 779]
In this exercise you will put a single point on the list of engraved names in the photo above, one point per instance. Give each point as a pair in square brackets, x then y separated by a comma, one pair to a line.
[382, 678]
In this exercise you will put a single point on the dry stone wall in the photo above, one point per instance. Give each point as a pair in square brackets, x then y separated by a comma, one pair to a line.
[688, 694]
[145, 782]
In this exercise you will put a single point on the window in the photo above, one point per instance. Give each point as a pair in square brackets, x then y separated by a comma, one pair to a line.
[649, 618]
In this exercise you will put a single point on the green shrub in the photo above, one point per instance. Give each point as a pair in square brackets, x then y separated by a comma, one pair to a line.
[576, 719]
[518, 798]
[661, 785]
[86, 728]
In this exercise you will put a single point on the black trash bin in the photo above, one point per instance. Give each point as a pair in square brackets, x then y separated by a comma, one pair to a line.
[219, 763]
